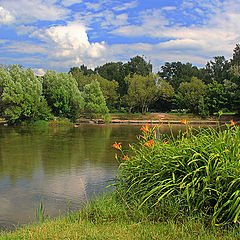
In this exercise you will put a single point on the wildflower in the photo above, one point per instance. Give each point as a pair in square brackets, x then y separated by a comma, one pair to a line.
[125, 158]
[165, 142]
[184, 121]
[116, 156]
[149, 143]
[232, 123]
[145, 128]
[117, 146]
[141, 136]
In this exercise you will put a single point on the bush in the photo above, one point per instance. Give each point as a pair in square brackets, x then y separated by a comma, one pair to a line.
[197, 171]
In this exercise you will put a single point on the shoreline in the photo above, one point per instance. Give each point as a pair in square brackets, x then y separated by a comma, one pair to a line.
[139, 122]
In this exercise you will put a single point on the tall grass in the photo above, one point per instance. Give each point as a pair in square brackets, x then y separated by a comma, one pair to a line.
[194, 173]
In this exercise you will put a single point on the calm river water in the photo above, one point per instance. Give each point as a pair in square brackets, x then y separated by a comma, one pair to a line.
[55, 165]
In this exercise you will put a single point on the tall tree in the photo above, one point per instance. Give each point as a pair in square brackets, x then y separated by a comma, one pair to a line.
[144, 90]
[84, 69]
[194, 93]
[218, 98]
[62, 94]
[21, 98]
[95, 105]
[218, 69]
[235, 61]
[176, 72]
[138, 65]
[114, 71]
[108, 88]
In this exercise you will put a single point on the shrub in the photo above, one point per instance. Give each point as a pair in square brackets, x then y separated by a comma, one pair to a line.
[198, 171]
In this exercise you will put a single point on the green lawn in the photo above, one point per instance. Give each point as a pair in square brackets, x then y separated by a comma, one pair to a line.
[109, 218]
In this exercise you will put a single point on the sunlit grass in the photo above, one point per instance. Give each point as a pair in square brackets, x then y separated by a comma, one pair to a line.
[109, 217]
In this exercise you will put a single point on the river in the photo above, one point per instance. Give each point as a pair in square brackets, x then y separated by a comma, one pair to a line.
[55, 165]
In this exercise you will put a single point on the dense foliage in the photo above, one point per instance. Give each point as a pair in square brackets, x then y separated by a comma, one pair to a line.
[126, 87]
[62, 94]
[197, 172]
[144, 90]
[21, 96]
[95, 105]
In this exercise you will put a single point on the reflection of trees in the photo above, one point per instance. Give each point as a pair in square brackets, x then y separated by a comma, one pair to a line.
[19, 152]
[75, 148]
[23, 151]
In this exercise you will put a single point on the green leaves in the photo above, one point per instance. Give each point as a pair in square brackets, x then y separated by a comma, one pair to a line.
[199, 170]
[22, 98]
[144, 90]
[62, 94]
[95, 104]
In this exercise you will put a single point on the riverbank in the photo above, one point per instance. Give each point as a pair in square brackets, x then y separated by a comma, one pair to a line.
[161, 118]
[109, 217]
[137, 118]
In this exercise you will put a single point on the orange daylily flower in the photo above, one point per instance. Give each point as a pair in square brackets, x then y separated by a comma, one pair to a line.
[125, 158]
[232, 123]
[117, 146]
[145, 128]
[184, 121]
[149, 143]
[116, 156]
[165, 142]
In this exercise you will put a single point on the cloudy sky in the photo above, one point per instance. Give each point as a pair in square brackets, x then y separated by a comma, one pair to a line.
[59, 34]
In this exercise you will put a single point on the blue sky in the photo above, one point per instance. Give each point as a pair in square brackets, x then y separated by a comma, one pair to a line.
[59, 34]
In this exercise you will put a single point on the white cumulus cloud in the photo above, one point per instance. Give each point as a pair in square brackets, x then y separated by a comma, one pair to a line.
[70, 45]
[5, 16]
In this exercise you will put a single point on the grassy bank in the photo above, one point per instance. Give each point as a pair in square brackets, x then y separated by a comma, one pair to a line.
[109, 217]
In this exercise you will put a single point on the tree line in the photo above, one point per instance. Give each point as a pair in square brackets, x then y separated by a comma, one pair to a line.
[118, 86]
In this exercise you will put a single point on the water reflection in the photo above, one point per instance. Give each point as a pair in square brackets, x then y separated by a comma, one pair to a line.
[56, 165]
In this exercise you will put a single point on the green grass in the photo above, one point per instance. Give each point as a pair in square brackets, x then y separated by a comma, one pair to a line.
[195, 173]
[109, 217]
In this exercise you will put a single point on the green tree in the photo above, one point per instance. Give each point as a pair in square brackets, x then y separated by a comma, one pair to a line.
[176, 72]
[194, 93]
[63, 95]
[144, 90]
[138, 65]
[114, 71]
[108, 88]
[233, 86]
[235, 61]
[218, 97]
[83, 69]
[218, 69]
[95, 105]
[21, 98]
[118, 71]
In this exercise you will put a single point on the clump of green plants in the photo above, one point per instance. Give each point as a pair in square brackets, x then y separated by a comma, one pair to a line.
[196, 173]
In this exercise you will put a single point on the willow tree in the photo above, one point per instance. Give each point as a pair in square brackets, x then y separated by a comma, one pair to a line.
[63, 95]
[21, 98]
